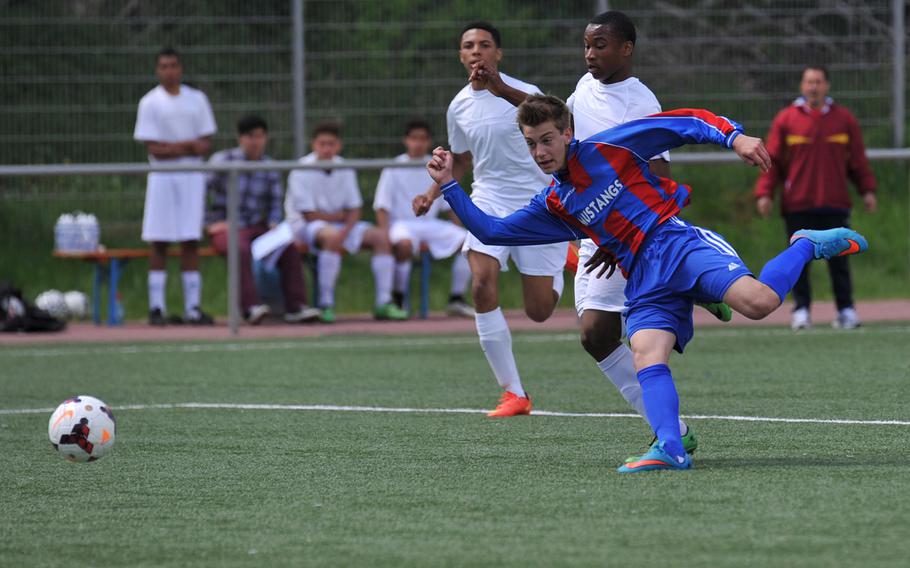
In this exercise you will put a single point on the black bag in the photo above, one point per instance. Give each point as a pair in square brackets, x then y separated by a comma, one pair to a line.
[18, 315]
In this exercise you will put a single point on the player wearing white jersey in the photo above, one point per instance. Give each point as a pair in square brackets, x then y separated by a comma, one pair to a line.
[324, 207]
[395, 192]
[483, 133]
[176, 123]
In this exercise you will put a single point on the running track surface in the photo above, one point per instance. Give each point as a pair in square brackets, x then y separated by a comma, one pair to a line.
[360, 324]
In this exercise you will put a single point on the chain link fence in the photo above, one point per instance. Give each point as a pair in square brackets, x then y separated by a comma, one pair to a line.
[74, 71]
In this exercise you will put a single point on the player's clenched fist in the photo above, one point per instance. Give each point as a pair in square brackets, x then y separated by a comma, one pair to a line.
[752, 151]
[440, 166]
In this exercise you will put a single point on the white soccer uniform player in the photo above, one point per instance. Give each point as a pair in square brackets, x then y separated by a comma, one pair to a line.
[333, 191]
[174, 202]
[505, 179]
[395, 191]
[596, 107]
[505, 175]
[330, 191]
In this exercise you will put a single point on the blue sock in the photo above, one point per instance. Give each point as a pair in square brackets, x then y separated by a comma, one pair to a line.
[662, 406]
[781, 272]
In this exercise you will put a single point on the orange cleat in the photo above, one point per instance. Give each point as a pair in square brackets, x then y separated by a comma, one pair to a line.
[510, 404]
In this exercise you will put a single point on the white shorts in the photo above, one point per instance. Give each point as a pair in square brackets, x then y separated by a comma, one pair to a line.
[174, 207]
[592, 293]
[443, 238]
[534, 260]
[352, 243]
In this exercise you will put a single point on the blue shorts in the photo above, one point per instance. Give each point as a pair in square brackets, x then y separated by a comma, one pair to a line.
[678, 264]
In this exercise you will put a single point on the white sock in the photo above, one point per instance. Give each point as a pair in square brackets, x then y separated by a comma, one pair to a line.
[619, 367]
[328, 265]
[496, 342]
[402, 276]
[559, 281]
[157, 288]
[383, 272]
[192, 291]
[461, 274]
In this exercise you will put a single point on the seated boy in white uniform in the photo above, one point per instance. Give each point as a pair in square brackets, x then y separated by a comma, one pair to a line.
[396, 190]
[329, 202]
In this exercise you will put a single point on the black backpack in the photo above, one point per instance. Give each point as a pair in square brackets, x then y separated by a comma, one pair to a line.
[18, 315]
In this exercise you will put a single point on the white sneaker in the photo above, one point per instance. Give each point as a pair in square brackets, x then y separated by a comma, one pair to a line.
[800, 319]
[257, 313]
[846, 319]
[459, 309]
[305, 313]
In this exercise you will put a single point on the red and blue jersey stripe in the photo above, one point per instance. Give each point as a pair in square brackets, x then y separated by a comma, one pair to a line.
[607, 193]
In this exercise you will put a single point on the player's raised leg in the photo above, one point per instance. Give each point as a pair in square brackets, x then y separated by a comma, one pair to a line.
[755, 299]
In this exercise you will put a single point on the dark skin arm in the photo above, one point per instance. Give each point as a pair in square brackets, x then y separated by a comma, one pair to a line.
[490, 79]
[171, 150]
[603, 258]
[339, 217]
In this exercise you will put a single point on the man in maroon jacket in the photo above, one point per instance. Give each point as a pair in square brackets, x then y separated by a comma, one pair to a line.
[815, 145]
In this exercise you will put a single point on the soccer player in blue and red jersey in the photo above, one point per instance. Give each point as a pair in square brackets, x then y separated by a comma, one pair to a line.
[602, 189]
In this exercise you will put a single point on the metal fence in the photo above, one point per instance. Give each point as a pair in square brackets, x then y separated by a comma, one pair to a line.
[74, 70]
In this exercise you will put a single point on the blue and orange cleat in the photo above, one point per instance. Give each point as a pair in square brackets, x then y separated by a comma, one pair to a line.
[510, 404]
[833, 242]
[655, 459]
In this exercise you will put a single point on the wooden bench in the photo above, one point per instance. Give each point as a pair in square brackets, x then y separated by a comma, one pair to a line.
[109, 264]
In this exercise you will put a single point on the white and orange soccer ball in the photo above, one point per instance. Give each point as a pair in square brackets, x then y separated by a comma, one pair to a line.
[82, 429]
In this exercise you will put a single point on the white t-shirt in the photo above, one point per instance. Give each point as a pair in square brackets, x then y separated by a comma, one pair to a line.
[597, 107]
[319, 190]
[163, 117]
[485, 125]
[398, 187]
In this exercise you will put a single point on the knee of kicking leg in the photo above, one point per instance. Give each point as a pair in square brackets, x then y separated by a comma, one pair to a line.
[760, 305]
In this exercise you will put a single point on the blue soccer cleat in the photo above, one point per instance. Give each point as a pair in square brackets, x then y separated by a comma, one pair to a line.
[656, 458]
[833, 242]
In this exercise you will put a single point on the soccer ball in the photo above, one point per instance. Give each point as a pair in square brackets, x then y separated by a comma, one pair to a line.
[52, 302]
[76, 304]
[82, 429]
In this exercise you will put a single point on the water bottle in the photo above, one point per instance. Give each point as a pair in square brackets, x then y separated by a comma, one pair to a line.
[63, 232]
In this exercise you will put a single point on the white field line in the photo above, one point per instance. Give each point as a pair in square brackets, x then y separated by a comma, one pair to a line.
[406, 410]
[382, 343]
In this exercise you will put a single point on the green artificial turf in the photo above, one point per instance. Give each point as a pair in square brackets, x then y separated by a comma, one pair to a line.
[281, 487]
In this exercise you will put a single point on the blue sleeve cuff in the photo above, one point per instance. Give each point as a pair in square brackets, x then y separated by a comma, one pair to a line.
[728, 141]
[450, 185]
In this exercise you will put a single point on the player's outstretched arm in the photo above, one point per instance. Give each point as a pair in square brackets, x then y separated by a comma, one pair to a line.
[664, 131]
[752, 150]
[531, 225]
